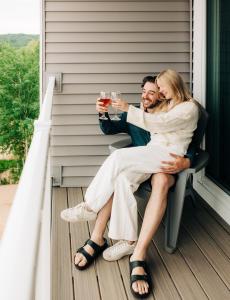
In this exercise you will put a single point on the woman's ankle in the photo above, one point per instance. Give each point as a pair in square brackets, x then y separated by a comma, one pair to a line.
[97, 238]
[139, 254]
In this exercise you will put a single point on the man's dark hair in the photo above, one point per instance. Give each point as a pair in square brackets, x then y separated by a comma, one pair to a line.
[148, 79]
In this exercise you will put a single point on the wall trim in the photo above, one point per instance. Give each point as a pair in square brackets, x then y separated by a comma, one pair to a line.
[207, 189]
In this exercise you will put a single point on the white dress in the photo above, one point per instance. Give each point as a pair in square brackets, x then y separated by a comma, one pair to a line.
[125, 169]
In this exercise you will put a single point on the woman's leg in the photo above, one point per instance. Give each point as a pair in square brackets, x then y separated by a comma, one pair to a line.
[144, 159]
[123, 221]
[154, 213]
[136, 160]
[98, 232]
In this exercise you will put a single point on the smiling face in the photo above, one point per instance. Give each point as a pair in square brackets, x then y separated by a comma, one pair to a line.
[149, 94]
[165, 89]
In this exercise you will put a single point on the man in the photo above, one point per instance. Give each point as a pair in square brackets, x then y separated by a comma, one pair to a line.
[161, 182]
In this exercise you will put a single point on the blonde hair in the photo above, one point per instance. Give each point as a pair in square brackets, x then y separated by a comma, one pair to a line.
[178, 88]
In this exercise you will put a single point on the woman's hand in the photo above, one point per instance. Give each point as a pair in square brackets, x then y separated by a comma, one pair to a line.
[121, 105]
[100, 107]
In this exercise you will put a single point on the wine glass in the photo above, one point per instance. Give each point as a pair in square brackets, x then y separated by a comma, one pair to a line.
[114, 97]
[105, 99]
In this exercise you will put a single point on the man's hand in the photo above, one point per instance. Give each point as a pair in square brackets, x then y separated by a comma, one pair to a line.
[121, 105]
[175, 166]
[100, 108]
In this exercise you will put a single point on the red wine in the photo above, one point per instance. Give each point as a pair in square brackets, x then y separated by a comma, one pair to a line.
[106, 101]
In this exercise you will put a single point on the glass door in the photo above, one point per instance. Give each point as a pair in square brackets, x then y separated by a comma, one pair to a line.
[218, 92]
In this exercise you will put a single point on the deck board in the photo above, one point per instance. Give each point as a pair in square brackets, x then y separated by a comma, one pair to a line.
[198, 269]
[85, 283]
[61, 259]
[186, 285]
[111, 277]
[210, 249]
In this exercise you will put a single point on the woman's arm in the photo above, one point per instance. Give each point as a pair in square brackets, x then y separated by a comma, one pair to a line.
[177, 118]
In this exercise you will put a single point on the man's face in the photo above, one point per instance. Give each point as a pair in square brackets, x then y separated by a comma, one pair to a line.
[149, 94]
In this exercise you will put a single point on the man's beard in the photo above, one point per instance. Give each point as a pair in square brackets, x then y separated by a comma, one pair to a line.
[151, 106]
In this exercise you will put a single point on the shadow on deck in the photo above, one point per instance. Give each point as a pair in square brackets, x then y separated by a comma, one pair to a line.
[199, 269]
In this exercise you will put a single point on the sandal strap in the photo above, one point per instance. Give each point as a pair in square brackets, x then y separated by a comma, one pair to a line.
[88, 257]
[135, 278]
[137, 263]
[96, 247]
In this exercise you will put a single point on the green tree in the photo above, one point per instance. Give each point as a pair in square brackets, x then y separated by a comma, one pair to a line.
[19, 97]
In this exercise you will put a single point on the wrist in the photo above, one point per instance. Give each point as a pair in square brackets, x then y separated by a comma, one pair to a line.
[187, 163]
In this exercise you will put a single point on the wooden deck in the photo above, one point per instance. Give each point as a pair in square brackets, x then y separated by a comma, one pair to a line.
[199, 269]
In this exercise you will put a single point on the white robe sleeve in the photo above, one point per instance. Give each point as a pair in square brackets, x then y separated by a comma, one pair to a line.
[177, 118]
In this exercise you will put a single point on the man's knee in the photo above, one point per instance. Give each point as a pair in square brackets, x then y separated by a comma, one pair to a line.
[162, 181]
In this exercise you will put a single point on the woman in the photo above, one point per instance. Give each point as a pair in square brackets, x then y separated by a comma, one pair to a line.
[171, 125]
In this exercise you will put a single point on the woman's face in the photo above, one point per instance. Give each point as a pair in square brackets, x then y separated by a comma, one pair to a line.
[164, 89]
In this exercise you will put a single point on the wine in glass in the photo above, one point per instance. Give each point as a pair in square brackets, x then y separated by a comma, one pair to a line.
[114, 97]
[105, 99]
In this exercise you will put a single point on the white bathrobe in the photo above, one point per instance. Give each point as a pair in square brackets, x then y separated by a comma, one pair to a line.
[125, 169]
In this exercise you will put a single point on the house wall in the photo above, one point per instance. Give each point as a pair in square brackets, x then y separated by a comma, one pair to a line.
[104, 45]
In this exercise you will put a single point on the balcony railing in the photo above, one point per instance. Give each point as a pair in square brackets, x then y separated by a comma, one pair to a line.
[25, 246]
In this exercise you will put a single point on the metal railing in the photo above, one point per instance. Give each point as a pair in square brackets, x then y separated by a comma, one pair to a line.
[25, 246]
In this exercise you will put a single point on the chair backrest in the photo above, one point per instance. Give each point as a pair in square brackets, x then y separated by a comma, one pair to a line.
[201, 126]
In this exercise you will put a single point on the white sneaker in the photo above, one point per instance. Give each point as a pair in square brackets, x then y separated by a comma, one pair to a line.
[78, 213]
[118, 250]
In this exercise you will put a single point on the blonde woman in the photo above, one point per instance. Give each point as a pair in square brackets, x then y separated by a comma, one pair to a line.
[171, 125]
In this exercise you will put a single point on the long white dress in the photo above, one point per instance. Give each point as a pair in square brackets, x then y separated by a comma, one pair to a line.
[125, 169]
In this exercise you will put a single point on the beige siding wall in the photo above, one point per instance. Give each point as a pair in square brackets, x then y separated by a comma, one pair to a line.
[105, 45]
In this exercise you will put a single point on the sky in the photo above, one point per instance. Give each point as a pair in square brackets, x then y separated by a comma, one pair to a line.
[20, 16]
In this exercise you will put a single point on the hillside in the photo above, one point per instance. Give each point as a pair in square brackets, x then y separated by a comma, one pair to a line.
[18, 40]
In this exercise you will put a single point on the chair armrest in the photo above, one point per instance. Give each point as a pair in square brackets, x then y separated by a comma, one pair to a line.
[200, 161]
[120, 144]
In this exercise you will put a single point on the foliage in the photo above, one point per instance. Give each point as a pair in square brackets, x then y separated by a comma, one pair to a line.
[18, 40]
[19, 97]
[14, 166]
[6, 164]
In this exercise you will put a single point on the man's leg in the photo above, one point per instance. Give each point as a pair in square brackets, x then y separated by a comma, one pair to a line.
[154, 213]
[98, 232]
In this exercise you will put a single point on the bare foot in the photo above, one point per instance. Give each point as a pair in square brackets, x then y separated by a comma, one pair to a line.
[140, 286]
[80, 259]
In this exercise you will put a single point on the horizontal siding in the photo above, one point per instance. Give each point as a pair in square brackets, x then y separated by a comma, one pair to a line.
[114, 16]
[117, 26]
[109, 78]
[72, 120]
[78, 161]
[77, 180]
[117, 6]
[116, 1]
[98, 68]
[115, 37]
[76, 130]
[64, 140]
[72, 171]
[115, 57]
[118, 47]
[78, 150]
[105, 45]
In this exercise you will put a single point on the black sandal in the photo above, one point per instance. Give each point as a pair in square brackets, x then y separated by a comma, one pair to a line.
[90, 258]
[134, 278]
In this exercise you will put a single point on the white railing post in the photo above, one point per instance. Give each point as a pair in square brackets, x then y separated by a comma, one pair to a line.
[20, 243]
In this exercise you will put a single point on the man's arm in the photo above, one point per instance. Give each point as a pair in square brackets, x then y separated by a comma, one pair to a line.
[176, 165]
[109, 126]
[113, 127]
